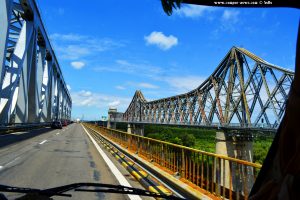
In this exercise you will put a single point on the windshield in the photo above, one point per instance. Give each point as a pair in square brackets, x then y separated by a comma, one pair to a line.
[176, 99]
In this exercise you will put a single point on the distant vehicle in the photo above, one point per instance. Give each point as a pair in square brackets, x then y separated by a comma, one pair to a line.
[65, 123]
[56, 124]
[78, 120]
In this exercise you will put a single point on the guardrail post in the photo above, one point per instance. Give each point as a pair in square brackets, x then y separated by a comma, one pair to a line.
[128, 141]
[182, 174]
[162, 155]
[138, 146]
[148, 150]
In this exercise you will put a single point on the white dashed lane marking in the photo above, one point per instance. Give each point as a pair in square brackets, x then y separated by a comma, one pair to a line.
[43, 142]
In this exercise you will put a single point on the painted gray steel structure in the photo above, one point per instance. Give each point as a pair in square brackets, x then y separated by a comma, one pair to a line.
[32, 88]
[244, 91]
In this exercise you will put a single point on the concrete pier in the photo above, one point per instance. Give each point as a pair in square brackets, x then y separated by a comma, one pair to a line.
[235, 145]
[136, 129]
[112, 125]
[113, 117]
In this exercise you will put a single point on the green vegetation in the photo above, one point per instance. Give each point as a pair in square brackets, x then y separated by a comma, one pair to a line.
[261, 147]
[202, 139]
[122, 127]
[182, 138]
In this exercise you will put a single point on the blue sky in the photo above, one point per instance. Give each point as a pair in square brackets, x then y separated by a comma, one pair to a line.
[109, 49]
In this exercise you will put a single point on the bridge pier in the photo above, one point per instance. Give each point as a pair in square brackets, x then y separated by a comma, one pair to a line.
[237, 145]
[113, 117]
[136, 129]
[111, 125]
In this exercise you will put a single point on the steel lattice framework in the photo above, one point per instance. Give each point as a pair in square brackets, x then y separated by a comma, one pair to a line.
[32, 88]
[243, 91]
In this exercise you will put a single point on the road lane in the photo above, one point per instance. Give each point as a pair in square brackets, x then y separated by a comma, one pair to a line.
[116, 172]
[55, 158]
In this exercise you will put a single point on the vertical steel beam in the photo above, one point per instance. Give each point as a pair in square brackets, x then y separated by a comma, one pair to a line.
[242, 84]
[5, 15]
[32, 105]
[55, 96]
[43, 110]
[230, 89]
[41, 54]
[60, 88]
[64, 104]
[217, 89]
[22, 107]
[10, 84]
[50, 94]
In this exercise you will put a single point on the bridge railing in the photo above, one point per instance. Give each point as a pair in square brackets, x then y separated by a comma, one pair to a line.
[222, 176]
[259, 126]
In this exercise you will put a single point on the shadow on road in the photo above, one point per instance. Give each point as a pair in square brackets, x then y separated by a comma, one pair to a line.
[12, 138]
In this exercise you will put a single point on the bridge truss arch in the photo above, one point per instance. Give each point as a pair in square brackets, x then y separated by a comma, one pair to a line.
[243, 91]
[32, 87]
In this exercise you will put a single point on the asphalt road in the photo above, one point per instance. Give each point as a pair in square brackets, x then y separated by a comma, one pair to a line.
[48, 158]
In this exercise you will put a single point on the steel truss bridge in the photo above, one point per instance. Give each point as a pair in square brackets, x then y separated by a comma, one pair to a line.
[32, 87]
[244, 91]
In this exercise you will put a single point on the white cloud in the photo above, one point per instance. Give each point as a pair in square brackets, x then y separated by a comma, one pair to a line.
[123, 66]
[231, 16]
[229, 20]
[147, 85]
[68, 87]
[194, 11]
[85, 98]
[123, 62]
[162, 41]
[73, 52]
[179, 84]
[114, 104]
[119, 87]
[185, 83]
[73, 46]
[67, 37]
[77, 64]
[85, 93]
[136, 85]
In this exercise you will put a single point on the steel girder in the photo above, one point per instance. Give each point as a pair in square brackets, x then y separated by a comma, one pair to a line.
[32, 88]
[243, 91]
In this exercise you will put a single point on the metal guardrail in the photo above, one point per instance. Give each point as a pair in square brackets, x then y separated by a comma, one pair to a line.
[7, 128]
[222, 176]
[236, 125]
[142, 176]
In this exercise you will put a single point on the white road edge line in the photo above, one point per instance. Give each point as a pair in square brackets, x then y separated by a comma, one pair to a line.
[122, 180]
[1, 167]
[12, 161]
[43, 142]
